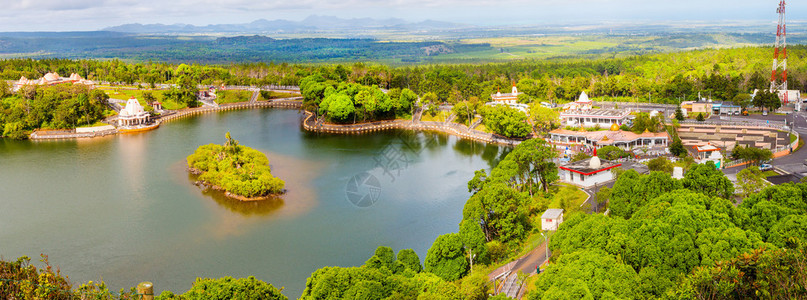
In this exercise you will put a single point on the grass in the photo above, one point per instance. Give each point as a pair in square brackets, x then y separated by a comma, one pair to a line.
[769, 173]
[232, 96]
[171, 105]
[127, 94]
[565, 192]
[99, 123]
[440, 117]
[534, 240]
[277, 95]
[482, 128]
[792, 138]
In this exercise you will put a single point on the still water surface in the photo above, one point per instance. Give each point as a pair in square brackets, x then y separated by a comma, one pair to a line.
[123, 208]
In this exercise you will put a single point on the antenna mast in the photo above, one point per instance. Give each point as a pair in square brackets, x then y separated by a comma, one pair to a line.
[779, 74]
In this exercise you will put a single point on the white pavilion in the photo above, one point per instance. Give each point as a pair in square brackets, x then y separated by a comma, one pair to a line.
[133, 114]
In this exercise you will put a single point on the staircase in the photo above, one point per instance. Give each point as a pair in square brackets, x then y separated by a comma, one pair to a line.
[511, 286]
[476, 123]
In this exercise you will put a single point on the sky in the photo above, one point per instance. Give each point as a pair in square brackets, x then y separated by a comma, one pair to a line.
[85, 15]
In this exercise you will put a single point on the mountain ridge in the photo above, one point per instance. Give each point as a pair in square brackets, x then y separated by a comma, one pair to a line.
[311, 23]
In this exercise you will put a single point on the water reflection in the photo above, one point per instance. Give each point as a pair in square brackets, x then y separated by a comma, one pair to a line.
[244, 208]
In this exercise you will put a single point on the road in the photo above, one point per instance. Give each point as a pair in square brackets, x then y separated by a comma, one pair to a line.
[793, 163]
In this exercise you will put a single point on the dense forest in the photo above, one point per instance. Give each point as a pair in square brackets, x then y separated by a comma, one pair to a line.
[721, 74]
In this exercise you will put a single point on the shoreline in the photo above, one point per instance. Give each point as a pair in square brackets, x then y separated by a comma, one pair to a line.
[308, 124]
[207, 185]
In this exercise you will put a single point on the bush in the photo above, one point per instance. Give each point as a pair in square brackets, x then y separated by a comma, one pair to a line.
[229, 288]
[612, 153]
[660, 164]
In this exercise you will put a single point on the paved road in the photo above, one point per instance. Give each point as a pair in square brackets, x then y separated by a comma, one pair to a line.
[793, 163]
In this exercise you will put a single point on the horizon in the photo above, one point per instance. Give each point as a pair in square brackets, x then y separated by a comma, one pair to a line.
[86, 15]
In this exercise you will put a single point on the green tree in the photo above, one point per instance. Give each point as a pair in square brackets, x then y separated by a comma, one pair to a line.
[700, 117]
[506, 121]
[788, 229]
[337, 107]
[661, 164]
[230, 288]
[464, 112]
[751, 181]
[446, 257]
[410, 260]
[677, 148]
[543, 118]
[587, 274]
[632, 191]
[580, 156]
[707, 179]
[612, 153]
[764, 273]
[679, 115]
[500, 211]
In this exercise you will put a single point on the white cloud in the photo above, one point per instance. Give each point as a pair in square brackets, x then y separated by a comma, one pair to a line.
[60, 15]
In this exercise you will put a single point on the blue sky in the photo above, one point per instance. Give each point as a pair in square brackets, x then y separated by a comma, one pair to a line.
[63, 15]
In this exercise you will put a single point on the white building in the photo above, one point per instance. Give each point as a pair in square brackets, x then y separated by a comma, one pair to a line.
[603, 118]
[588, 172]
[709, 153]
[510, 98]
[582, 103]
[133, 114]
[52, 79]
[551, 219]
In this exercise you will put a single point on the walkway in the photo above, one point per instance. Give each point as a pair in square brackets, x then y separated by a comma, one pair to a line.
[312, 124]
[526, 264]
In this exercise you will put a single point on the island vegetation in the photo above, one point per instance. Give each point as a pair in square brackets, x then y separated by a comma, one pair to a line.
[240, 171]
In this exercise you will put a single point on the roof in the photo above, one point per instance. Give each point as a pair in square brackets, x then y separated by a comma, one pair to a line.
[706, 148]
[613, 136]
[583, 98]
[584, 166]
[596, 113]
[552, 213]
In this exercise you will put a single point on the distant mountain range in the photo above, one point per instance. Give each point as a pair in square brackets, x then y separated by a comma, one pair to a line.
[312, 23]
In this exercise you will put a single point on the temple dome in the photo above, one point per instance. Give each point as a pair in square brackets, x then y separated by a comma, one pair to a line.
[51, 76]
[614, 127]
[583, 97]
[595, 162]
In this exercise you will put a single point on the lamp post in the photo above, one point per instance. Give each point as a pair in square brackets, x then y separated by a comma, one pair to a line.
[546, 237]
[471, 257]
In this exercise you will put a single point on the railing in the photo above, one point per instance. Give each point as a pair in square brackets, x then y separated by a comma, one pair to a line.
[629, 104]
[746, 123]
[312, 124]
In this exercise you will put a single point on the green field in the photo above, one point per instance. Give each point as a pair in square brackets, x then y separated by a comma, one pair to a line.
[572, 194]
[440, 117]
[233, 96]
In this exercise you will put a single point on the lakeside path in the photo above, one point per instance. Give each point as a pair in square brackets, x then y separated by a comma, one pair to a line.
[312, 124]
[309, 123]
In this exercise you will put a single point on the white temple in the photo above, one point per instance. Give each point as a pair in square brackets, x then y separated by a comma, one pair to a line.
[582, 103]
[133, 114]
[509, 98]
[51, 79]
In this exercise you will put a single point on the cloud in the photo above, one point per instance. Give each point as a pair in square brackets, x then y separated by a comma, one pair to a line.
[95, 14]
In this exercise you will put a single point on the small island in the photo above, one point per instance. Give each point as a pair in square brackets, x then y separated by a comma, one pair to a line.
[241, 172]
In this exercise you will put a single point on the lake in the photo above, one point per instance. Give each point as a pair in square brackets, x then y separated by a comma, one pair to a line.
[124, 209]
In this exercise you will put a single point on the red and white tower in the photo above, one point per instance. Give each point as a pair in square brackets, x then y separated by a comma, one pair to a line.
[779, 74]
